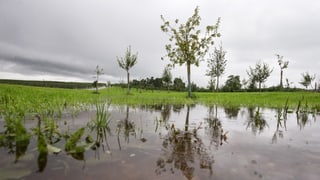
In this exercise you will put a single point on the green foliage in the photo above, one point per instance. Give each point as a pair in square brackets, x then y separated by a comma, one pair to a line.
[102, 115]
[71, 143]
[101, 121]
[167, 77]
[216, 64]
[259, 73]
[127, 62]
[232, 84]
[178, 84]
[45, 100]
[186, 44]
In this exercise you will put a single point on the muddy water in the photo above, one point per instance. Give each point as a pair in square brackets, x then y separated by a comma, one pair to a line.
[181, 142]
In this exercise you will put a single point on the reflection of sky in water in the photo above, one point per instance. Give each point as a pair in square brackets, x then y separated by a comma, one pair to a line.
[289, 152]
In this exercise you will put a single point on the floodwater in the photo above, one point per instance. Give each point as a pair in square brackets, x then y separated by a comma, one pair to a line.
[178, 142]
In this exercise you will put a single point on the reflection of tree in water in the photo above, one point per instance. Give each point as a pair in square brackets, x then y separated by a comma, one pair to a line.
[166, 112]
[214, 128]
[128, 128]
[281, 123]
[302, 119]
[232, 111]
[256, 121]
[177, 107]
[180, 150]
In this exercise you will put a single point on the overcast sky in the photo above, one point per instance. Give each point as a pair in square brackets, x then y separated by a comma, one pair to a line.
[66, 39]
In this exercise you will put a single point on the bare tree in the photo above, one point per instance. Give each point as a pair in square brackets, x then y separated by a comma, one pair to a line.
[98, 71]
[283, 65]
[307, 79]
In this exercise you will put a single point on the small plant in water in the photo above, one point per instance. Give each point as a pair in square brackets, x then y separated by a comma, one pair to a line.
[102, 118]
[100, 124]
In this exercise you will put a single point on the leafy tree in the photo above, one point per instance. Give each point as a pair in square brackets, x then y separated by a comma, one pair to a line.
[283, 65]
[211, 83]
[127, 62]
[157, 83]
[307, 79]
[167, 77]
[194, 87]
[260, 73]
[216, 64]
[244, 83]
[186, 44]
[178, 84]
[232, 84]
[98, 72]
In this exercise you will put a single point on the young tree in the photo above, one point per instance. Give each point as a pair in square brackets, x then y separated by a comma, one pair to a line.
[307, 79]
[216, 64]
[127, 62]
[232, 84]
[167, 77]
[178, 84]
[186, 44]
[283, 65]
[211, 84]
[98, 71]
[260, 73]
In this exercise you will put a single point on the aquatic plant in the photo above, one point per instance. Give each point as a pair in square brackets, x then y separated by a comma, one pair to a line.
[71, 143]
[100, 124]
[102, 117]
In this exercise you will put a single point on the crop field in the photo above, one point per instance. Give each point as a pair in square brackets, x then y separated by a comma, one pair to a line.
[35, 98]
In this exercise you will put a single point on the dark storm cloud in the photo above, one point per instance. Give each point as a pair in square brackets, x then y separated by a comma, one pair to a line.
[35, 66]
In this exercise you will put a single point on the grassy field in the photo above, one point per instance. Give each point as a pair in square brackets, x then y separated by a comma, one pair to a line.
[40, 96]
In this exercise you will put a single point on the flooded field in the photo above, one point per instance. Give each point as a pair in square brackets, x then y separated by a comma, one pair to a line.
[165, 142]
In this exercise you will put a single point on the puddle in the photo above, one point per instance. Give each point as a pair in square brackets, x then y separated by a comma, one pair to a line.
[174, 142]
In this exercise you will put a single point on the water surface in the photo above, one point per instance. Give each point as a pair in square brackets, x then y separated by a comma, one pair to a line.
[177, 142]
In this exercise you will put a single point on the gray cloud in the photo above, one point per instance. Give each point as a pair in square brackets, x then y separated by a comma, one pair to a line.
[69, 38]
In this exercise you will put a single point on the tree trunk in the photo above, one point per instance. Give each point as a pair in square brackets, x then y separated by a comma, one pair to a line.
[281, 75]
[189, 81]
[217, 88]
[259, 86]
[97, 83]
[128, 82]
[212, 84]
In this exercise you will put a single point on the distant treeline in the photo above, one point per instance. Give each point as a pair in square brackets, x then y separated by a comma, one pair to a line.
[178, 84]
[53, 84]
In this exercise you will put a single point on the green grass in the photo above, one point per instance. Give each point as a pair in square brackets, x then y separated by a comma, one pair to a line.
[263, 99]
[43, 99]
